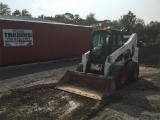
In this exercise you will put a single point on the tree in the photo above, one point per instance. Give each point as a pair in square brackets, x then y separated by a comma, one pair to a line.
[127, 22]
[157, 40]
[48, 17]
[41, 16]
[4, 9]
[115, 24]
[139, 27]
[68, 16]
[16, 13]
[90, 19]
[60, 18]
[153, 30]
[25, 12]
[69, 19]
[140, 21]
[76, 17]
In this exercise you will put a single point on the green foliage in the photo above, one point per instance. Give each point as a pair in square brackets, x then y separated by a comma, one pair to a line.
[152, 31]
[25, 12]
[67, 18]
[115, 24]
[90, 19]
[41, 16]
[128, 22]
[4, 9]
[16, 13]
[156, 40]
[149, 33]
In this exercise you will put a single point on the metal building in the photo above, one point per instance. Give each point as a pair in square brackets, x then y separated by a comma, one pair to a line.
[25, 40]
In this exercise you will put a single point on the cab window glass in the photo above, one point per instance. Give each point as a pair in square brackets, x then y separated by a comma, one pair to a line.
[117, 42]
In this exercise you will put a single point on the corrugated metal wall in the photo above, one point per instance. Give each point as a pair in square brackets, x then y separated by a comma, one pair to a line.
[51, 41]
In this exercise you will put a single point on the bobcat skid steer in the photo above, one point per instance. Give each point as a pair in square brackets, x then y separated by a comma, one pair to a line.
[110, 63]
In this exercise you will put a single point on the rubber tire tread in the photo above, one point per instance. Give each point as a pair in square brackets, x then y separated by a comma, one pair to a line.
[130, 71]
[116, 73]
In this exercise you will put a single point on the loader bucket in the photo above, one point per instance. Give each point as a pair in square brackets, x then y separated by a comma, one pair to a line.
[89, 85]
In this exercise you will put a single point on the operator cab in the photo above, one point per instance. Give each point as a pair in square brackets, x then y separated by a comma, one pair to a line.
[103, 43]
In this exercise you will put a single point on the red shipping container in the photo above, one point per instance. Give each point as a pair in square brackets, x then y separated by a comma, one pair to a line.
[50, 41]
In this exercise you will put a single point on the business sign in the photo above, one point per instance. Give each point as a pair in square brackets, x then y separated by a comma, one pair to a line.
[17, 37]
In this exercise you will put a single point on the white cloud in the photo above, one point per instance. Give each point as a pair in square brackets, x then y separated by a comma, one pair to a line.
[61, 6]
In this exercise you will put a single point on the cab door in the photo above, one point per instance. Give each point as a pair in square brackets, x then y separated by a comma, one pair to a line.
[117, 41]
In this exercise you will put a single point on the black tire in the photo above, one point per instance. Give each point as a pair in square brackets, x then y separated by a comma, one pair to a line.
[132, 69]
[119, 75]
[80, 67]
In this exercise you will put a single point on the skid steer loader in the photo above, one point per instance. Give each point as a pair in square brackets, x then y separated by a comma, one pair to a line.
[110, 63]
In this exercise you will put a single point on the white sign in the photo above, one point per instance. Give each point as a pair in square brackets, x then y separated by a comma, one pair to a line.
[17, 37]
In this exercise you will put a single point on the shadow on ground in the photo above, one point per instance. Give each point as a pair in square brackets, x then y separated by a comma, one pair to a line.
[16, 71]
[139, 100]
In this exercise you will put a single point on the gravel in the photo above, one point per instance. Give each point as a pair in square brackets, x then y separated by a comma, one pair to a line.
[19, 76]
[138, 100]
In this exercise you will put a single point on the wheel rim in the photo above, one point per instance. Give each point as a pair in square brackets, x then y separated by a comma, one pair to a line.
[123, 77]
[136, 72]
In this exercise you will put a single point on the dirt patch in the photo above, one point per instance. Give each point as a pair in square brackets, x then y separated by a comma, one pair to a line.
[121, 111]
[40, 100]
[139, 100]
[44, 103]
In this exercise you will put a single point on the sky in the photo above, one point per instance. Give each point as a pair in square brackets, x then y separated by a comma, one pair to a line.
[148, 10]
